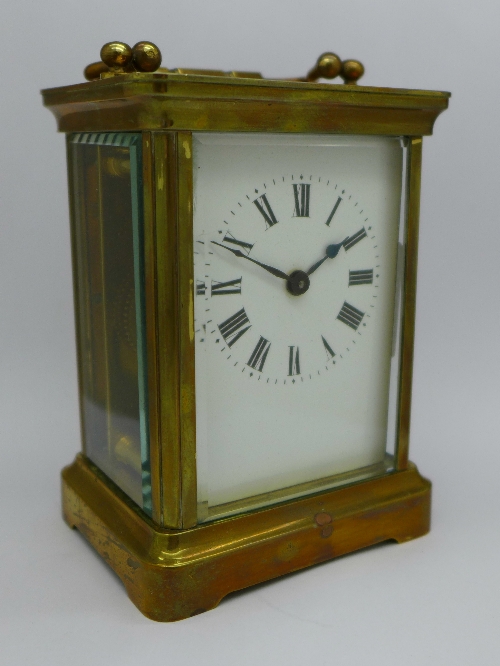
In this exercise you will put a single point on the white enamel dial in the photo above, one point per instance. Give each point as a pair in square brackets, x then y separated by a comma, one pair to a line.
[296, 224]
[295, 251]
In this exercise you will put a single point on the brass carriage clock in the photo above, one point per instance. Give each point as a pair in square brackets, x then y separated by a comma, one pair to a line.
[244, 257]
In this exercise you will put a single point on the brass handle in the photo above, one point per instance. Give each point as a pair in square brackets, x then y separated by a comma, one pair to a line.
[120, 58]
[329, 66]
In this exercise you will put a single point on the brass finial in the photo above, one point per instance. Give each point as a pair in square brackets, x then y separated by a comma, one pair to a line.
[119, 58]
[328, 66]
[352, 70]
[146, 57]
[116, 55]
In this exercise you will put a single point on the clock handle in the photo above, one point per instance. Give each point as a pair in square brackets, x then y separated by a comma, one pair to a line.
[120, 58]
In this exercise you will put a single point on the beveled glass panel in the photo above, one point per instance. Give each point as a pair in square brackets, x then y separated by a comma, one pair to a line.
[106, 189]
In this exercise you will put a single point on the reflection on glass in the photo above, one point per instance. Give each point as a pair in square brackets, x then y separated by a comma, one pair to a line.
[107, 213]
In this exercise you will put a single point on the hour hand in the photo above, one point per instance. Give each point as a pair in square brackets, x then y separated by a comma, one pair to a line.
[269, 269]
[331, 252]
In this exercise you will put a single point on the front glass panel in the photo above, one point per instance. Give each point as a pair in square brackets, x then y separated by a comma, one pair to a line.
[296, 377]
[106, 187]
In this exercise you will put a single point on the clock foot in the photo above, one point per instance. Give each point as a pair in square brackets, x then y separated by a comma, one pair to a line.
[175, 574]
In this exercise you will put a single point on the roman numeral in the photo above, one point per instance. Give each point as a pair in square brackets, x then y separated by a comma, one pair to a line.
[293, 361]
[233, 328]
[360, 277]
[266, 211]
[352, 240]
[220, 288]
[201, 288]
[350, 315]
[301, 194]
[329, 351]
[259, 354]
[229, 238]
[330, 217]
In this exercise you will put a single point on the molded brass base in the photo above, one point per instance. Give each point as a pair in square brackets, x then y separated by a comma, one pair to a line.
[174, 574]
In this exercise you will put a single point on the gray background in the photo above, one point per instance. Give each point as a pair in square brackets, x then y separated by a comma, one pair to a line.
[435, 600]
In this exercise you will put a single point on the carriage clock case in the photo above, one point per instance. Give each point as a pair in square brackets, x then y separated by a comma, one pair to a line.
[244, 266]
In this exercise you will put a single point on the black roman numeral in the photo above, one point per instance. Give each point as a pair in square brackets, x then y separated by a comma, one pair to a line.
[360, 277]
[259, 354]
[301, 194]
[201, 288]
[352, 240]
[233, 328]
[329, 351]
[330, 217]
[265, 210]
[229, 238]
[350, 315]
[231, 287]
[293, 361]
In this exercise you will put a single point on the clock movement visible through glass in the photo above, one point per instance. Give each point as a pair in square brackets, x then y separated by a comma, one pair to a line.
[296, 253]
[105, 169]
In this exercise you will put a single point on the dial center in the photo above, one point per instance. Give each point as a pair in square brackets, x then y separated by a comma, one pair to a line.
[298, 283]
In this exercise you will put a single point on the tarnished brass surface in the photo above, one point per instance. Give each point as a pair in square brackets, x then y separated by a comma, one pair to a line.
[174, 574]
[132, 102]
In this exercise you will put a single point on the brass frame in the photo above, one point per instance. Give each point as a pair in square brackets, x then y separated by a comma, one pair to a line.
[172, 566]
[177, 102]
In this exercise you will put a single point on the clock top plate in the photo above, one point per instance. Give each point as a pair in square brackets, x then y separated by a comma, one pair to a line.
[199, 102]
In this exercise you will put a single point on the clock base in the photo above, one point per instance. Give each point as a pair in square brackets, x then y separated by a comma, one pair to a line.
[174, 574]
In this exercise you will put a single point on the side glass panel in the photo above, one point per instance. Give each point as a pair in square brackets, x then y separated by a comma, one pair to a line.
[106, 194]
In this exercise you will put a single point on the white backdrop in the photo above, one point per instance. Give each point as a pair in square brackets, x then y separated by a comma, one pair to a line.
[432, 601]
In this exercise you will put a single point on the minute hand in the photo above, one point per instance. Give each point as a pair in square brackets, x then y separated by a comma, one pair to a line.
[269, 269]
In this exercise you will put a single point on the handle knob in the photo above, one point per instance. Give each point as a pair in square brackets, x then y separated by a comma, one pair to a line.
[352, 70]
[328, 66]
[116, 55]
[146, 57]
[120, 58]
